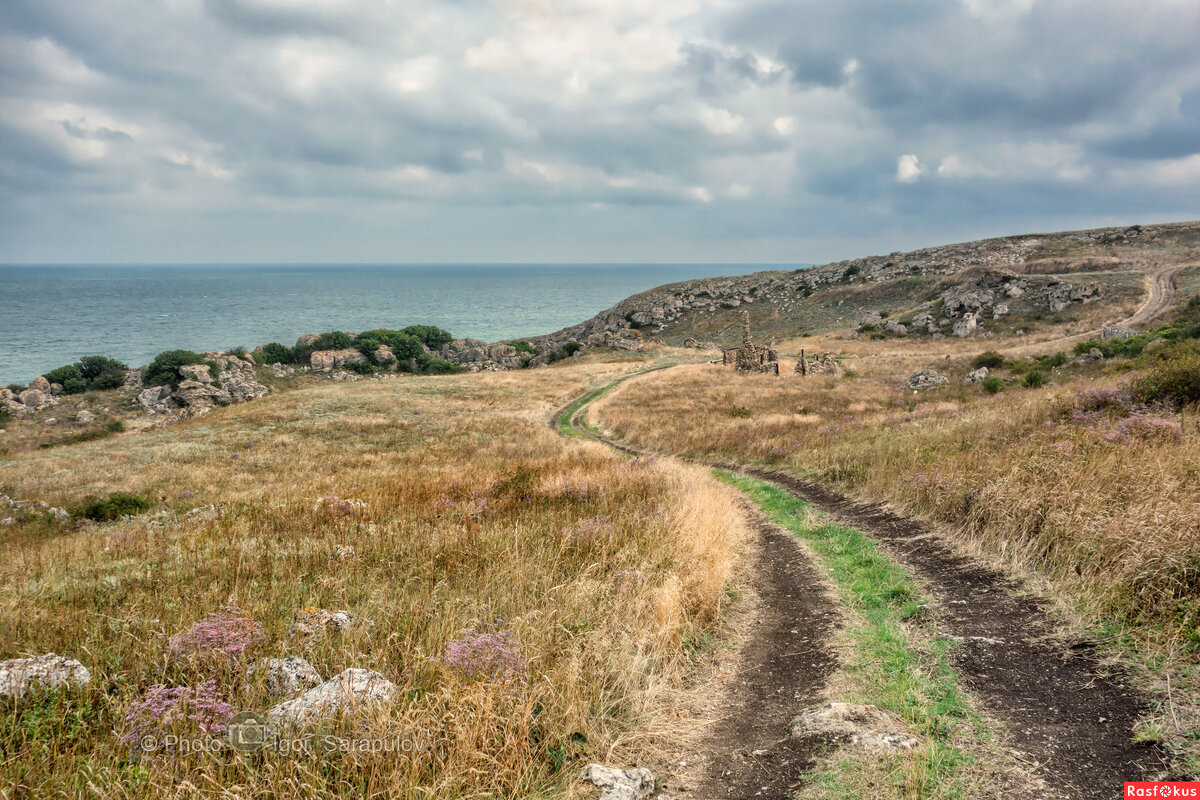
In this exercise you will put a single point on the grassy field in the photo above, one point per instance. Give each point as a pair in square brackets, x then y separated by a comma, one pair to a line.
[467, 517]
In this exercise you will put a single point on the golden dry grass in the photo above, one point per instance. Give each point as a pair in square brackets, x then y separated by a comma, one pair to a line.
[476, 516]
[1116, 522]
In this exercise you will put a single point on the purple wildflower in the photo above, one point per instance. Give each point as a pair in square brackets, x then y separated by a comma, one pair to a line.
[486, 656]
[1147, 426]
[597, 527]
[230, 631]
[168, 708]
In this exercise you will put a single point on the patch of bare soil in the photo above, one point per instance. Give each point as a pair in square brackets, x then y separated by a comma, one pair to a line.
[781, 668]
[1065, 710]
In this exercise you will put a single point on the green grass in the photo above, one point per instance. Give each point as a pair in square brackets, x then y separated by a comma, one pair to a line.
[887, 667]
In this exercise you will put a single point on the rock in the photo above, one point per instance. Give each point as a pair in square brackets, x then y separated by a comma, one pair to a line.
[966, 325]
[891, 326]
[620, 784]
[56, 389]
[285, 676]
[870, 318]
[327, 360]
[36, 399]
[50, 421]
[865, 726]
[1152, 346]
[850, 335]
[200, 373]
[84, 417]
[50, 671]
[999, 311]
[312, 620]
[39, 384]
[976, 376]
[1107, 332]
[355, 690]
[384, 355]
[307, 339]
[196, 395]
[925, 379]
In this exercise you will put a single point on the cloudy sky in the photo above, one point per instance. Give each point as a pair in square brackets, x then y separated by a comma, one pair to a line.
[595, 130]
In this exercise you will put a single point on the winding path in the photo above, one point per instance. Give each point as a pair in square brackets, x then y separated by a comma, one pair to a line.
[1065, 712]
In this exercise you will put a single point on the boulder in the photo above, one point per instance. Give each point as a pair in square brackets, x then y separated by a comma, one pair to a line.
[384, 355]
[1109, 332]
[328, 360]
[620, 784]
[285, 676]
[84, 417]
[999, 311]
[925, 379]
[891, 326]
[355, 690]
[40, 384]
[975, 376]
[36, 399]
[307, 339]
[201, 373]
[966, 325]
[20, 675]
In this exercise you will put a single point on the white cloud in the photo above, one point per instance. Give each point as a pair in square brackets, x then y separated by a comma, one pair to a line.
[719, 120]
[416, 74]
[908, 168]
[785, 125]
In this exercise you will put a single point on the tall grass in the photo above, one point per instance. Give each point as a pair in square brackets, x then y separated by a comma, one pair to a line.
[464, 512]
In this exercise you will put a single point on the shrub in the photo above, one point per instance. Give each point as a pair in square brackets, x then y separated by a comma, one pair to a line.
[1033, 379]
[993, 385]
[361, 367]
[1173, 381]
[740, 412]
[238, 351]
[1052, 360]
[164, 369]
[274, 353]
[432, 337]
[90, 372]
[486, 656]
[851, 271]
[227, 632]
[989, 358]
[522, 346]
[566, 351]
[115, 506]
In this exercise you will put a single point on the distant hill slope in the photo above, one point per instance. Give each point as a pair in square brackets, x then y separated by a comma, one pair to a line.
[973, 288]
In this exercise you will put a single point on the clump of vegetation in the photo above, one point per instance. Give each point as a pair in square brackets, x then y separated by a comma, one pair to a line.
[566, 351]
[1174, 381]
[989, 358]
[275, 353]
[993, 385]
[740, 412]
[1187, 326]
[164, 369]
[1033, 379]
[851, 271]
[115, 506]
[522, 346]
[89, 373]
[103, 432]
[361, 367]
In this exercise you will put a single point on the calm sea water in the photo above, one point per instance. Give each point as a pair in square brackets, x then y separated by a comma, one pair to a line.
[52, 315]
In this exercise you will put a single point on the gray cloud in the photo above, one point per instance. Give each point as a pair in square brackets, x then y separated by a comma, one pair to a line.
[542, 130]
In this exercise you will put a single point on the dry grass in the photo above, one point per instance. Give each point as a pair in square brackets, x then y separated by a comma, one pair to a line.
[476, 516]
[1117, 522]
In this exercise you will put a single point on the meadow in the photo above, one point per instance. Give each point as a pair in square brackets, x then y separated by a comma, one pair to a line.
[531, 597]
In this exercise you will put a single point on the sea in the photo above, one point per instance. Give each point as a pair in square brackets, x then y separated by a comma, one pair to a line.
[52, 315]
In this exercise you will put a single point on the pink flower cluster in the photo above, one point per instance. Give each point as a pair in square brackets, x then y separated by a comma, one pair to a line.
[169, 708]
[1145, 426]
[487, 656]
[230, 632]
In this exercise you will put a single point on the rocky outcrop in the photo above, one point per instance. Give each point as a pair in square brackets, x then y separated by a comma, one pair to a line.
[976, 376]
[19, 676]
[200, 391]
[314, 620]
[329, 360]
[352, 691]
[1116, 332]
[285, 676]
[925, 379]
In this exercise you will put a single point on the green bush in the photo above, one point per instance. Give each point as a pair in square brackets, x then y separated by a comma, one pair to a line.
[238, 351]
[740, 412]
[1033, 379]
[1174, 381]
[851, 271]
[275, 353]
[429, 335]
[993, 385]
[164, 369]
[115, 506]
[1052, 360]
[361, 367]
[522, 346]
[88, 373]
[566, 351]
[989, 358]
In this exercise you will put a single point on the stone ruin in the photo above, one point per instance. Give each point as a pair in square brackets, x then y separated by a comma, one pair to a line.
[749, 357]
[826, 364]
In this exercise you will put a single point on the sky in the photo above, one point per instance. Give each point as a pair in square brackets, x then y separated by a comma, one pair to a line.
[597, 130]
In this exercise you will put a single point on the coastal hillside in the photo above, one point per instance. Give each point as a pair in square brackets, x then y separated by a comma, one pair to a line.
[1027, 283]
